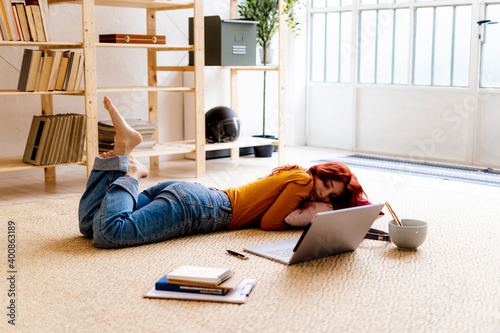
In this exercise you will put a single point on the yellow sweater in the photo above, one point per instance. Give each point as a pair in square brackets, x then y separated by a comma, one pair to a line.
[269, 199]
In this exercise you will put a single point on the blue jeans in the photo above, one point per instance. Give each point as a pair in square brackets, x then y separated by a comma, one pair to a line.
[113, 214]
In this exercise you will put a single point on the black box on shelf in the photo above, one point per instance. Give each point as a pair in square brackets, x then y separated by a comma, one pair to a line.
[227, 42]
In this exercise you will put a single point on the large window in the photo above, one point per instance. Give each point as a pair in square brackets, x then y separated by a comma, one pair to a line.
[442, 46]
[384, 46]
[399, 42]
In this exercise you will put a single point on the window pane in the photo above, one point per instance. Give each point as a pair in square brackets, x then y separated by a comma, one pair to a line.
[402, 43]
[345, 47]
[490, 73]
[318, 47]
[368, 2]
[333, 3]
[367, 46]
[443, 45]
[462, 46]
[423, 46]
[318, 3]
[332, 47]
[384, 46]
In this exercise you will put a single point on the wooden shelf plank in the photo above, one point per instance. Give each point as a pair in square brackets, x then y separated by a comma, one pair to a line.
[51, 45]
[170, 148]
[145, 88]
[242, 142]
[16, 164]
[156, 4]
[237, 68]
[159, 47]
[11, 92]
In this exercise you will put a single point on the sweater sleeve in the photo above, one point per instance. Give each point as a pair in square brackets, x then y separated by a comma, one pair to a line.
[288, 200]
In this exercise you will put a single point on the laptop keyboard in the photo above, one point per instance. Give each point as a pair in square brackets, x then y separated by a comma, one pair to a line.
[285, 252]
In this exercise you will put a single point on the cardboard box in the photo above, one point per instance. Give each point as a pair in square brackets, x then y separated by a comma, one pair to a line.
[227, 42]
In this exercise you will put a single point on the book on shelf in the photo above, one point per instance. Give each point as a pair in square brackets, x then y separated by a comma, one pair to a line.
[197, 274]
[106, 134]
[36, 140]
[11, 32]
[4, 24]
[37, 19]
[55, 139]
[73, 71]
[137, 124]
[61, 74]
[57, 55]
[24, 20]
[20, 12]
[17, 24]
[49, 70]
[30, 67]
[44, 75]
[31, 24]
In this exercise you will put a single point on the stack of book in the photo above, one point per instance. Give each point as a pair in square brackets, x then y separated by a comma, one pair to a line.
[202, 284]
[50, 70]
[24, 20]
[199, 280]
[55, 139]
[106, 134]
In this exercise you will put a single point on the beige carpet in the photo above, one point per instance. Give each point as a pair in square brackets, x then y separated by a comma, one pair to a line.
[451, 284]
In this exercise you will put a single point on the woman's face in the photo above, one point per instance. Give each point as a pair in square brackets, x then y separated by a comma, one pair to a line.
[326, 191]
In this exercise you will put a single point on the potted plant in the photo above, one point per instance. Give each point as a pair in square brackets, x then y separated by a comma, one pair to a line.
[266, 13]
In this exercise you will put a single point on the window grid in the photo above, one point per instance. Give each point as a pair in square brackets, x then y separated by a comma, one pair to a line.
[399, 4]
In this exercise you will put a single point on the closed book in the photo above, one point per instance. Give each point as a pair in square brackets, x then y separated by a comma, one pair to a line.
[75, 63]
[207, 275]
[29, 70]
[43, 79]
[70, 55]
[61, 74]
[57, 55]
[37, 18]
[163, 284]
[36, 140]
[25, 69]
[79, 74]
[4, 24]
[50, 140]
[17, 24]
[23, 20]
[9, 13]
[83, 128]
[137, 124]
[31, 24]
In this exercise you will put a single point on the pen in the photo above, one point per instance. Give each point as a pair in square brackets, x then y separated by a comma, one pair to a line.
[236, 254]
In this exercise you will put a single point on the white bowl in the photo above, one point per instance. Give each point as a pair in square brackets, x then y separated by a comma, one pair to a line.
[409, 236]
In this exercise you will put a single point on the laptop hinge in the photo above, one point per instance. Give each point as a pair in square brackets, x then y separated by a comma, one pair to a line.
[302, 237]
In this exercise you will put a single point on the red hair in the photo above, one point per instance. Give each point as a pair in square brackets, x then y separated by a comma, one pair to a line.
[353, 195]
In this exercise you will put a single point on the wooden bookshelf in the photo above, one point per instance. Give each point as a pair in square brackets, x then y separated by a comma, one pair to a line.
[198, 146]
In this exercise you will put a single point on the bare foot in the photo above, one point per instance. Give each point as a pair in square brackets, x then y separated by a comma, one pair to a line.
[127, 138]
[107, 154]
[136, 169]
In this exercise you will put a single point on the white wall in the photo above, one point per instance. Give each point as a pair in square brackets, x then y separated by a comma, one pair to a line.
[434, 124]
[129, 68]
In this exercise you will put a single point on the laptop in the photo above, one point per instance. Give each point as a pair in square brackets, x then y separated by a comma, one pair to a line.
[328, 234]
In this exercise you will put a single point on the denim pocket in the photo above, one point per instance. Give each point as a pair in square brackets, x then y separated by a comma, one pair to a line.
[194, 194]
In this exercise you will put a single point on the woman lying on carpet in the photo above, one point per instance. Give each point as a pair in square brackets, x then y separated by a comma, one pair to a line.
[113, 214]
